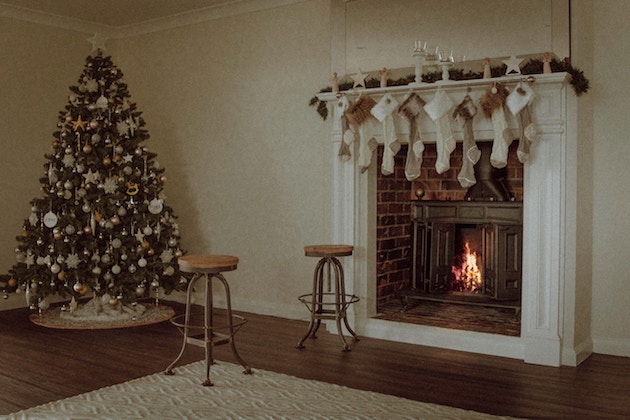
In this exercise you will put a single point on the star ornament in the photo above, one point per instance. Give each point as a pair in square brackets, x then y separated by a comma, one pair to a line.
[79, 124]
[513, 65]
[98, 42]
[359, 79]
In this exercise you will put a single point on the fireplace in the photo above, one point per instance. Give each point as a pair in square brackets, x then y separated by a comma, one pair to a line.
[552, 272]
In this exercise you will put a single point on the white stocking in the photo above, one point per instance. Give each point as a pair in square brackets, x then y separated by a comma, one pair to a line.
[438, 110]
[502, 139]
[382, 111]
[391, 146]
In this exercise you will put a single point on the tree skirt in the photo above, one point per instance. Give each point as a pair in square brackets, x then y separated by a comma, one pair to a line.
[144, 314]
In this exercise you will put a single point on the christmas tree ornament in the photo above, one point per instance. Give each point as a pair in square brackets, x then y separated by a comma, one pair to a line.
[383, 111]
[439, 111]
[464, 113]
[410, 109]
[492, 103]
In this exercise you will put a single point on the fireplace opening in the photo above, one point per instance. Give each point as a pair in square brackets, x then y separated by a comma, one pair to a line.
[451, 258]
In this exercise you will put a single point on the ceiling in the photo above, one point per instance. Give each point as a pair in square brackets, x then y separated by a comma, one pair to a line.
[116, 13]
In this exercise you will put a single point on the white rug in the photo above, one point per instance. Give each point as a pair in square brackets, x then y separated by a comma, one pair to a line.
[262, 395]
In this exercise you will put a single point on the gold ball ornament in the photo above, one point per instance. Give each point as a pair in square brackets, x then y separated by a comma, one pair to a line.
[145, 244]
[12, 282]
[87, 149]
[24, 233]
[113, 302]
[150, 252]
[98, 216]
[85, 289]
[107, 161]
[62, 275]
[87, 230]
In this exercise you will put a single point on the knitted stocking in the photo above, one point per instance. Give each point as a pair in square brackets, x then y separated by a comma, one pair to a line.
[465, 112]
[438, 109]
[359, 117]
[492, 104]
[410, 110]
[382, 111]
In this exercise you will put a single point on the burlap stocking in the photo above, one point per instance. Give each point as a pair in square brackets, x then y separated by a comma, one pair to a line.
[410, 109]
[382, 111]
[359, 117]
[348, 136]
[465, 112]
[519, 103]
[492, 104]
[438, 109]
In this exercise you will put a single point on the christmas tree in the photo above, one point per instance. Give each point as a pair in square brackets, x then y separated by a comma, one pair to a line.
[101, 227]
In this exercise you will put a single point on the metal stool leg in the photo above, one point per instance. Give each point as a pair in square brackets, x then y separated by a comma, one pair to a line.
[231, 329]
[189, 292]
[316, 304]
[344, 304]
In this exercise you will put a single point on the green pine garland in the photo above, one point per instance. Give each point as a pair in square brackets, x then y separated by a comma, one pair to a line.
[579, 82]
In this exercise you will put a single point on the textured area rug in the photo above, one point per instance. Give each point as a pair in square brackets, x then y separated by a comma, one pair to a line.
[262, 395]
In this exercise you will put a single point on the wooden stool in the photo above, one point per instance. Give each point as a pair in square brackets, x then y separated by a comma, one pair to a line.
[328, 305]
[208, 267]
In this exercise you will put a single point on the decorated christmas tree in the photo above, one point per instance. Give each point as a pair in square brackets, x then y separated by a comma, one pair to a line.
[101, 227]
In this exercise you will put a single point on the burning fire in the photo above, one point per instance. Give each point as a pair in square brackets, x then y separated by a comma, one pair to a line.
[467, 275]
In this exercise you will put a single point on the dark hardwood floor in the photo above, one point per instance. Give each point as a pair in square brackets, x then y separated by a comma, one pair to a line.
[41, 365]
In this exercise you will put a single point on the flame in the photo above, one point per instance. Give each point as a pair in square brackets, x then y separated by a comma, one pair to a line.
[467, 275]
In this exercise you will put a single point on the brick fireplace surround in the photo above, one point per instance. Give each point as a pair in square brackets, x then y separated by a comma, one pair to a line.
[552, 329]
[394, 211]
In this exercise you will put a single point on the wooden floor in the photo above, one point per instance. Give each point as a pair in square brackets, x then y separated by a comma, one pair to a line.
[41, 365]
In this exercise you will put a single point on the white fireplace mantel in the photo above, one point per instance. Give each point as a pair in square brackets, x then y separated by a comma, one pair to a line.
[548, 323]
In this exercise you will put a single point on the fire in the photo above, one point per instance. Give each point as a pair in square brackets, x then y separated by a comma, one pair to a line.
[467, 275]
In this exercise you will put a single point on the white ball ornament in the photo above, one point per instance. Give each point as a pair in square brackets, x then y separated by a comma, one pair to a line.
[142, 263]
[132, 268]
[169, 271]
[116, 243]
[96, 270]
[116, 269]
[55, 268]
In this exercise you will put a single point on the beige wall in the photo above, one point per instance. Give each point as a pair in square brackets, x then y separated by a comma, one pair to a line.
[247, 160]
[611, 192]
[226, 104]
[37, 66]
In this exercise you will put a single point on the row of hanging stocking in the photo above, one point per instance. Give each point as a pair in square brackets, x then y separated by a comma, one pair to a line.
[355, 119]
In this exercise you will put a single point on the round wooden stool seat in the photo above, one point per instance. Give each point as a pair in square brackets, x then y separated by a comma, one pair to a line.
[328, 250]
[207, 263]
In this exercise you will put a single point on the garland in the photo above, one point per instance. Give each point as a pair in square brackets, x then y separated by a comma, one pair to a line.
[579, 82]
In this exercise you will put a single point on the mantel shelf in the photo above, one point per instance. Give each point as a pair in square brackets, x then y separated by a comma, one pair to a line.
[449, 85]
